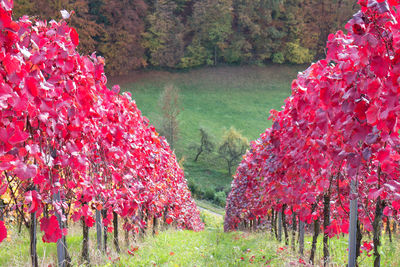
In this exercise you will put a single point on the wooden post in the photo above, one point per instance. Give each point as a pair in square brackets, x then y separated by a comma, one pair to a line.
[376, 224]
[98, 229]
[301, 237]
[104, 213]
[327, 200]
[2, 209]
[115, 224]
[353, 226]
[314, 241]
[32, 231]
[284, 224]
[61, 245]
[85, 243]
[280, 226]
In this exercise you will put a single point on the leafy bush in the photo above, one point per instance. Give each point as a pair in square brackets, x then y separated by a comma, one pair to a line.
[278, 58]
[238, 51]
[196, 55]
[295, 53]
[209, 193]
[220, 198]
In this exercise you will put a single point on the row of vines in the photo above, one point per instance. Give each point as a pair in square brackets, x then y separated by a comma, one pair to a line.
[70, 148]
[335, 142]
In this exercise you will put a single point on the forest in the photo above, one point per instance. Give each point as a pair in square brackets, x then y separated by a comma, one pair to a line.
[179, 34]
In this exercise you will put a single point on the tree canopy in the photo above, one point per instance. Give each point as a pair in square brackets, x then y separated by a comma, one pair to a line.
[133, 34]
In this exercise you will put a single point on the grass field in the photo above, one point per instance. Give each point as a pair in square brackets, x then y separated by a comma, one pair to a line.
[215, 98]
[210, 247]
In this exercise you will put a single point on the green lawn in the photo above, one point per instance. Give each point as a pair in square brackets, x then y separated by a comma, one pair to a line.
[215, 98]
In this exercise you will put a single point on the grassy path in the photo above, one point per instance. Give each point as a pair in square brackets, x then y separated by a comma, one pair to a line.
[211, 247]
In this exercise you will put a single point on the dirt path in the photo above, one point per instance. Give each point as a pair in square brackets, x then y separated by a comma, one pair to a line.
[210, 211]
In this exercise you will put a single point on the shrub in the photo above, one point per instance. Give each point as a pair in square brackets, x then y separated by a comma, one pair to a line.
[209, 193]
[220, 198]
[278, 58]
[295, 53]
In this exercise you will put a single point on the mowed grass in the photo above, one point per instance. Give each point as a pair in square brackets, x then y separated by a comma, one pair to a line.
[211, 247]
[215, 98]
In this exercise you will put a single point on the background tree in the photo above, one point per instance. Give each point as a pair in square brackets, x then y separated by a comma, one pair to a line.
[132, 34]
[211, 25]
[122, 44]
[164, 36]
[331, 15]
[233, 146]
[206, 144]
[170, 109]
[257, 22]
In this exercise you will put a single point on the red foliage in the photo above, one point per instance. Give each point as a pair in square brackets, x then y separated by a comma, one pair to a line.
[339, 124]
[62, 130]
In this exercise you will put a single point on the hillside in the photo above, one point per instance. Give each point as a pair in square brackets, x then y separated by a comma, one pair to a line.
[215, 98]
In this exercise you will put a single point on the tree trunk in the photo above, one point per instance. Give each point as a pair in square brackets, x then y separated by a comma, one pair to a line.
[199, 151]
[376, 231]
[116, 241]
[394, 226]
[126, 234]
[285, 230]
[33, 240]
[327, 200]
[2, 209]
[301, 237]
[273, 233]
[104, 213]
[294, 228]
[280, 226]
[359, 238]
[314, 241]
[230, 168]
[19, 222]
[388, 230]
[85, 243]
[155, 225]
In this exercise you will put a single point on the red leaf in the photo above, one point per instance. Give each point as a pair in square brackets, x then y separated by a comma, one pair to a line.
[383, 155]
[51, 229]
[25, 172]
[396, 205]
[3, 231]
[168, 220]
[7, 4]
[380, 66]
[32, 86]
[372, 114]
[374, 193]
[18, 137]
[32, 198]
[74, 37]
[5, 20]
[387, 211]
[89, 221]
